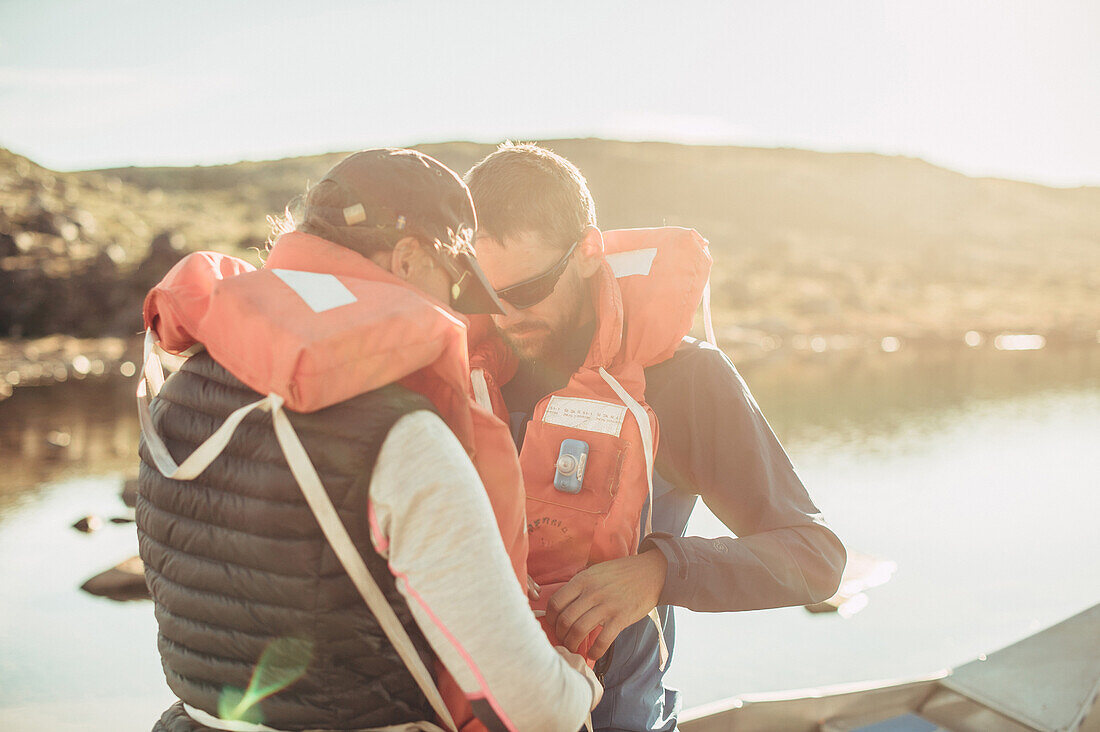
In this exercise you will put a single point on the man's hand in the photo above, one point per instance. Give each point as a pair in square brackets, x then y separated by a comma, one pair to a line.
[614, 594]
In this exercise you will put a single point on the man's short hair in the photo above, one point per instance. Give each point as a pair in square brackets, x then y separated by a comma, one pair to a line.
[523, 188]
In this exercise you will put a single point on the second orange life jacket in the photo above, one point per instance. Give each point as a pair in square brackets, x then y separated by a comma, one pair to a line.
[646, 294]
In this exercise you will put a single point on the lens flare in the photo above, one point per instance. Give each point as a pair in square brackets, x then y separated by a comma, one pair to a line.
[283, 662]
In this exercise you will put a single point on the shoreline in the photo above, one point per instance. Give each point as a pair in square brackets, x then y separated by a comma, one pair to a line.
[60, 358]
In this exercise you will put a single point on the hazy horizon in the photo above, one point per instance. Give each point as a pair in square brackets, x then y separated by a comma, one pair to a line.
[549, 141]
[1008, 90]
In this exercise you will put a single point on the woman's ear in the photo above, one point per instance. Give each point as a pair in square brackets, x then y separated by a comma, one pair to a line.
[589, 252]
[408, 257]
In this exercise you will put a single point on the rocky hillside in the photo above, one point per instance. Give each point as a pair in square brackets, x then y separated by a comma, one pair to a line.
[79, 250]
[854, 246]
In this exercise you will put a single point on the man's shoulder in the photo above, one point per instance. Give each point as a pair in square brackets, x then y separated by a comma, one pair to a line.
[693, 359]
[699, 385]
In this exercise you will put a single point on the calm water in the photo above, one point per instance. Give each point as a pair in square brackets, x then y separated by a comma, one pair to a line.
[976, 472]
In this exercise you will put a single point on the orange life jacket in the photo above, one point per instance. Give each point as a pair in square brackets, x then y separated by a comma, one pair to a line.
[320, 324]
[646, 293]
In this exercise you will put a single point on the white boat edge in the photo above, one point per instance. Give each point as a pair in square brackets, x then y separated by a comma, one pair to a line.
[813, 692]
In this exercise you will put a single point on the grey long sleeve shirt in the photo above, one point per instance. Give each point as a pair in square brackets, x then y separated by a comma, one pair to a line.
[716, 443]
[430, 518]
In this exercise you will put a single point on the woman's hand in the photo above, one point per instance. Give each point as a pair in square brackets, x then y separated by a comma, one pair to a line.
[578, 664]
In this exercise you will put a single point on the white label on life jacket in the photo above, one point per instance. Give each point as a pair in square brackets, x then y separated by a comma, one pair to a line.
[320, 291]
[585, 414]
[637, 262]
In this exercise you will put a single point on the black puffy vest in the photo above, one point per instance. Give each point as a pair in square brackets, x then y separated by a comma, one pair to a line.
[235, 559]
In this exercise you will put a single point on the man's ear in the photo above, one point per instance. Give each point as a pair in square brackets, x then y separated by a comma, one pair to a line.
[589, 252]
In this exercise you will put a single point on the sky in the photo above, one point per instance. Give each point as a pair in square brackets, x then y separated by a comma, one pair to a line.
[1007, 89]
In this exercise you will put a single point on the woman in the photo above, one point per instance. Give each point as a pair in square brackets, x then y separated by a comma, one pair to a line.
[259, 625]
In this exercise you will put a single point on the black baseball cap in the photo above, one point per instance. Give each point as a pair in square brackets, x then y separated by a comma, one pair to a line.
[408, 191]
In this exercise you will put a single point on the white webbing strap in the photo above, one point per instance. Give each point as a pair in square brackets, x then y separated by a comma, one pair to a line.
[227, 725]
[316, 497]
[661, 645]
[346, 552]
[642, 418]
[151, 370]
[708, 321]
[204, 454]
[151, 380]
[481, 388]
[209, 720]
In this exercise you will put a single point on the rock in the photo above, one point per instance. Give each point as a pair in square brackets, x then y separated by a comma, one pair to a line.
[166, 243]
[166, 249]
[124, 581]
[88, 524]
[8, 247]
[38, 217]
[86, 221]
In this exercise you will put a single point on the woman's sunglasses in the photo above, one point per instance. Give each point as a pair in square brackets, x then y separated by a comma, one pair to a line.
[531, 292]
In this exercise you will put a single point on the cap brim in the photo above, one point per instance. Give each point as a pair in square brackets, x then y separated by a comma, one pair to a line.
[473, 294]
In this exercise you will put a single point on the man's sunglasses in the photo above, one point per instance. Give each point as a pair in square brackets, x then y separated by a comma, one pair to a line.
[531, 292]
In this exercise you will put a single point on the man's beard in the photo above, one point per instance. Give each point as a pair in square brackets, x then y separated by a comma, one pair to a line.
[546, 346]
[533, 348]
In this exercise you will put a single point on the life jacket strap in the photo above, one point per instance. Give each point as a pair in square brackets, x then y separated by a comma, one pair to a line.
[321, 505]
[151, 370]
[708, 320]
[646, 430]
[662, 647]
[209, 720]
[150, 382]
[481, 388]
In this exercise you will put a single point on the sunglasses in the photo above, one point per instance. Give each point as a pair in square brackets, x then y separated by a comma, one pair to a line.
[528, 293]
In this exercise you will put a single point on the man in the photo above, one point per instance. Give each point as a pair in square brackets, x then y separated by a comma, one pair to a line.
[538, 230]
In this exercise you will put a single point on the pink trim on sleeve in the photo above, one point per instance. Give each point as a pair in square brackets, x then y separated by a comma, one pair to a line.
[488, 696]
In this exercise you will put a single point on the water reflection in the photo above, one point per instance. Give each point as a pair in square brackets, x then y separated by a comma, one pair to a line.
[974, 472]
[846, 397]
[76, 428]
[90, 427]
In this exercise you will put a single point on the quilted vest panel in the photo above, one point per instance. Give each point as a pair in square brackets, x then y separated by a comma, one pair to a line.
[235, 561]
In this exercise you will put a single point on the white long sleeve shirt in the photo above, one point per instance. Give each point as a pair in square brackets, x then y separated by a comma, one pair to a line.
[430, 518]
